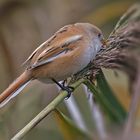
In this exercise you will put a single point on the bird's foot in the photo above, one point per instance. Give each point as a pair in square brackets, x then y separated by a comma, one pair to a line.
[69, 90]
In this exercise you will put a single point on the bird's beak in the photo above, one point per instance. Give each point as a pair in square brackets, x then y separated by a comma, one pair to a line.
[104, 42]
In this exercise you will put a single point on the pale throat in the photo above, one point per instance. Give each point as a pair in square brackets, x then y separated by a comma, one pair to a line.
[96, 47]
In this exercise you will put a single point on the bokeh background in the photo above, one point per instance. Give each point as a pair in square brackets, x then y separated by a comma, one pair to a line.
[24, 25]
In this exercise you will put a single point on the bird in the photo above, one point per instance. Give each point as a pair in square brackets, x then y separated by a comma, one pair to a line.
[64, 54]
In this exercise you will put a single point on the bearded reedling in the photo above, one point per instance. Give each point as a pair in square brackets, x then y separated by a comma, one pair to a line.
[67, 52]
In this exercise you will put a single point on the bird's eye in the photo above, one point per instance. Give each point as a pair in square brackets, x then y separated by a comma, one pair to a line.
[99, 35]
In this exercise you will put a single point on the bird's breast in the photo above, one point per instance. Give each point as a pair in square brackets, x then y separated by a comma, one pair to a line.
[68, 64]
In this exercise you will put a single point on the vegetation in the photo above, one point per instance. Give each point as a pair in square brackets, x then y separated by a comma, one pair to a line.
[105, 113]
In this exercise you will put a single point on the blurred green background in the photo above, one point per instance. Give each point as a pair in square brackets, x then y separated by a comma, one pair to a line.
[24, 25]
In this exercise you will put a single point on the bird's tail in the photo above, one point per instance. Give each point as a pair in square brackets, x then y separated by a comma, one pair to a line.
[15, 88]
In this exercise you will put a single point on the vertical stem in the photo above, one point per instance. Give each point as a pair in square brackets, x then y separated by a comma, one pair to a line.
[133, 107]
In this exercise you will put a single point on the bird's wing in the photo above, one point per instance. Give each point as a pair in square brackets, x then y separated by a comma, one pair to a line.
[36, 50]
[56, 50]
[46, 43]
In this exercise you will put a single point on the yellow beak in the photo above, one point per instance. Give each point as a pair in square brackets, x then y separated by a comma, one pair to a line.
[104, 42]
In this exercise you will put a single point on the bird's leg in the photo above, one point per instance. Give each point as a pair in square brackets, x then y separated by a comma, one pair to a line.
[69, 89]
[64, 82]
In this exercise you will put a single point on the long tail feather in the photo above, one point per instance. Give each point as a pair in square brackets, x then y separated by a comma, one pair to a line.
[14, 89]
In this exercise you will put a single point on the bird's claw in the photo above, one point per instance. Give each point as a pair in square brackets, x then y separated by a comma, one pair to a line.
[69, 90]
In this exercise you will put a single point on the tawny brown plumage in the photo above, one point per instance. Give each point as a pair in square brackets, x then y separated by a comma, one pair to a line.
[68, 51]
